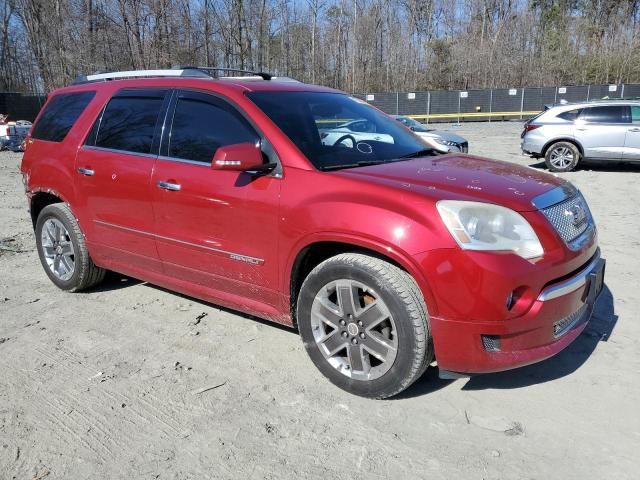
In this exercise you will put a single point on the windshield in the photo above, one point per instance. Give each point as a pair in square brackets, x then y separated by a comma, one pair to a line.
[335, 130]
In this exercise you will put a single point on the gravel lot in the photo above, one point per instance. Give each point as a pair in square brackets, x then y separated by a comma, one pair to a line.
[111, 383]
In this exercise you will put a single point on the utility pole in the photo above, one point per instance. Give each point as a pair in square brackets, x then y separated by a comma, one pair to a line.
[207, 53]
[355, 46]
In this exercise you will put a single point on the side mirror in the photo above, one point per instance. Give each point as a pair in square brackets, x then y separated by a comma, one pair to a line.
[239, 157]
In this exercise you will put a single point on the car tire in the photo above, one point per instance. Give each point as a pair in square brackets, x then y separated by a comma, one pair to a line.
[562, 157]
[365, 325]
[62, 250]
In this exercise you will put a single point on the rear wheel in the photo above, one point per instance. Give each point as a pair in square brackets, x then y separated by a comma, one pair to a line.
[62, 250]
[364, 324]
[562, 157]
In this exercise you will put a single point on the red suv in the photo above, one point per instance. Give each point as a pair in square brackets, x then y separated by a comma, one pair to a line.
[237, 191]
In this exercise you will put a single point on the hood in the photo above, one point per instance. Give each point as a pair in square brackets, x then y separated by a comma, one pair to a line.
[449, 136]
[462, 177]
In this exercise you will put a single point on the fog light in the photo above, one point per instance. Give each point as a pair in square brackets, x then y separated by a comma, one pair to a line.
[510, 300]
[514, 296]
[491, 343]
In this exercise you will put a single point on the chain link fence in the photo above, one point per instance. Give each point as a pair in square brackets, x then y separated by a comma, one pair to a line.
[490, 104]
[429, 107]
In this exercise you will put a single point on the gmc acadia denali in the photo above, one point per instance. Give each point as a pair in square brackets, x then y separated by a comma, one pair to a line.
[385, 256]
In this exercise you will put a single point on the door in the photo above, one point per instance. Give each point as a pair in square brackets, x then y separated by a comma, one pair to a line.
[214, 228]
[601, 131]
[113, 172]
[632, 140]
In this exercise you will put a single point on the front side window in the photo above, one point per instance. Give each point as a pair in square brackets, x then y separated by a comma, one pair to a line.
[202, 124]
[60, 115]
[606, 114]
[129, 121]
[334, 130]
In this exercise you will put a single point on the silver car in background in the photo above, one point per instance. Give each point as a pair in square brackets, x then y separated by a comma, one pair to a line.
[441, 140]
[566, 134]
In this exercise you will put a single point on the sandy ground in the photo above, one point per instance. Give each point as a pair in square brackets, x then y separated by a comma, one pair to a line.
[109, 384]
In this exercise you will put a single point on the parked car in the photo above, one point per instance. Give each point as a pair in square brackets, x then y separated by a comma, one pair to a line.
[442, 140]
[12, 134]
[383, 255]
[351, 132]
[565, 135]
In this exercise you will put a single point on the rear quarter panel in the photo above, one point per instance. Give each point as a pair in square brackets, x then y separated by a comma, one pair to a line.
[50, 166]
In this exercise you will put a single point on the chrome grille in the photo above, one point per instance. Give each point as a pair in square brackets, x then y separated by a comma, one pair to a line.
[563, 326]
[570, 217]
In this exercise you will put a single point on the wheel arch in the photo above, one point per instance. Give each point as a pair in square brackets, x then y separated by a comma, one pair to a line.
[571, 140]
[40, 199]
[320, 249]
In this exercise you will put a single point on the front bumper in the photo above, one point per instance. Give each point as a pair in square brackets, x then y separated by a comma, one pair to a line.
[555, 317]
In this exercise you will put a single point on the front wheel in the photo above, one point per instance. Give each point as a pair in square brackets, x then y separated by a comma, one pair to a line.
[364, 324]
[562, 157]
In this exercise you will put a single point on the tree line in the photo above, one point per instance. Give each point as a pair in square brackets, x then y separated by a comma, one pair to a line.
[354, 45]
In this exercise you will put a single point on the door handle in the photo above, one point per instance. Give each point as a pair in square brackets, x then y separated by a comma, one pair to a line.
[86, 171]
[174, 187]
[634, 129]
[581, 129]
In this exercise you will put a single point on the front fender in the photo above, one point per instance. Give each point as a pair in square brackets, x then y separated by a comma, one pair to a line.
[400, 225]
[358, 240]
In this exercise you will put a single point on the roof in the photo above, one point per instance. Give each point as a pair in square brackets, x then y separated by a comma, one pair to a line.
[591, 103]
[203, 78]
[221, 85]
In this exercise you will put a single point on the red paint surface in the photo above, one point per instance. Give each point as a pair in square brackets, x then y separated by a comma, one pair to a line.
[181, 240]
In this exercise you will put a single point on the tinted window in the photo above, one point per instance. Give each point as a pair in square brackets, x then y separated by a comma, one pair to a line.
[606, 114]
[317, 123]
[571, 115]
[60, 114]
[635, 114]
[202, 124]
[129, 120]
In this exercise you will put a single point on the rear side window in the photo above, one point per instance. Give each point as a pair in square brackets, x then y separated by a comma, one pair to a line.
[606, 114]
[635, 114]
[202, 124]
[60, 115]
[129, 121]
[570, 115]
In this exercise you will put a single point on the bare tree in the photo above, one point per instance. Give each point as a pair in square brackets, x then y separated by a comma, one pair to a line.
[356, 45]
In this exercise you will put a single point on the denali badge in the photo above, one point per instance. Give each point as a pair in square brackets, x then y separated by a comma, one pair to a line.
[245, 259]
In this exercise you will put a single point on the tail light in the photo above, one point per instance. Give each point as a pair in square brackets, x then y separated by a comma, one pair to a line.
[528, 127]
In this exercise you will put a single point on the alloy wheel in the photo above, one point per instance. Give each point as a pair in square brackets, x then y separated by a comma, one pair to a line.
[57, 249]
[561, 157]
[354, 329]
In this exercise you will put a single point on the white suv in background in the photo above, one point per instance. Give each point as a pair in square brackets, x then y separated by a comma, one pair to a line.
[564, 135]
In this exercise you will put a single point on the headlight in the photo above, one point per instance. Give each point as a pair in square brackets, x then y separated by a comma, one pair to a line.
[484, 226]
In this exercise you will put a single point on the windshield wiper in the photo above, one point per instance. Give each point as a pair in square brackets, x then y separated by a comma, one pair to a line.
[419, 153]
[364, 163]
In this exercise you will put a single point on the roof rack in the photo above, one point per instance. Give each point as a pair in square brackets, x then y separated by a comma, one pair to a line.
[178, 71]
[141, 74]
[212, 71]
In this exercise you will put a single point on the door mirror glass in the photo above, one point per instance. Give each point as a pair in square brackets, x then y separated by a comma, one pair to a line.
[239, 157]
